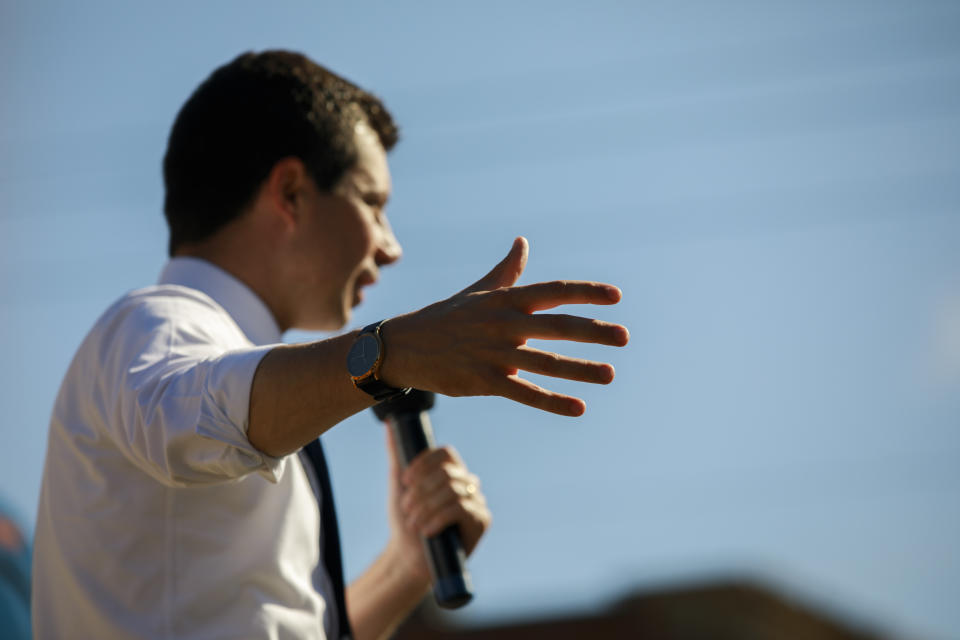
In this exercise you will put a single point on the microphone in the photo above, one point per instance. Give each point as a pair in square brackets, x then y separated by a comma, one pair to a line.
[407, 417]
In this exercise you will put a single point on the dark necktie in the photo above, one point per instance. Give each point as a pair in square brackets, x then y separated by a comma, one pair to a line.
[330, 535]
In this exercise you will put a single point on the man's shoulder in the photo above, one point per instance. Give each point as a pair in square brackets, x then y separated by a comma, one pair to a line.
[160, 301]
[160, 296]
[160, 309]
[150, 329]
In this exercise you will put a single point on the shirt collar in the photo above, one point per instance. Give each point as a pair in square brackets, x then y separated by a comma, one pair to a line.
[244, 306]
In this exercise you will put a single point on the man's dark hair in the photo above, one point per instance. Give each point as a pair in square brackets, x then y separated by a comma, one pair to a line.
[243, 119]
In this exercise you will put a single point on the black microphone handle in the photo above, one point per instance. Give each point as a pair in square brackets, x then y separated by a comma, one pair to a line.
[447, 559]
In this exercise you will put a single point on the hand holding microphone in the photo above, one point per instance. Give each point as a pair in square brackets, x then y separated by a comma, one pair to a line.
[407, 419]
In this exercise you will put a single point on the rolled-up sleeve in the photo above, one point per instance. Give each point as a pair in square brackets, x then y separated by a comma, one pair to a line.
[224, 412]
[174, 390]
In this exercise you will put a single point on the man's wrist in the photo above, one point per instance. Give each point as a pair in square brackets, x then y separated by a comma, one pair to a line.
[391, 368]
[406, 569]
[365, 361]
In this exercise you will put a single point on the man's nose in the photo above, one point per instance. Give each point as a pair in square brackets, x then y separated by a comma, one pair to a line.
[388, 249]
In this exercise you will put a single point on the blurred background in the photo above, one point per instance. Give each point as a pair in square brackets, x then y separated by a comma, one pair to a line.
[774, 185]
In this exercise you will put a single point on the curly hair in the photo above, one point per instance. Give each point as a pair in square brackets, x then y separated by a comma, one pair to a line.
[249, 114]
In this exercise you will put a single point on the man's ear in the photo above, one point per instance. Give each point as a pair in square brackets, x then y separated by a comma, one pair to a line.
[286, 188]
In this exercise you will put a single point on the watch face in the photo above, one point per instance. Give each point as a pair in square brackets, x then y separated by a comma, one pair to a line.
[363, 355]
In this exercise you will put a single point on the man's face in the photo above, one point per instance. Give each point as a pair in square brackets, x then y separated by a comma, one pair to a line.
[346, 239]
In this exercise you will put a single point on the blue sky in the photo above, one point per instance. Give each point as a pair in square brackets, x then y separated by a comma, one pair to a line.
[775, 187]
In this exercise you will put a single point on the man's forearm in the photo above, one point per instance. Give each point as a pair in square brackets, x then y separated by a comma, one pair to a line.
[300, 391]
[385, 594]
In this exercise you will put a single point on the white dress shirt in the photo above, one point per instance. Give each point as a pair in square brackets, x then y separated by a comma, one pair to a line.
[157, 517]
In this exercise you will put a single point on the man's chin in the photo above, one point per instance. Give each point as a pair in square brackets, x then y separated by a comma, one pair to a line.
[340, 321]
[333, 321]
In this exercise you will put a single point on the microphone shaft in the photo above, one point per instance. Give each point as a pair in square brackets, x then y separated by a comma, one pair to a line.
[447, 559]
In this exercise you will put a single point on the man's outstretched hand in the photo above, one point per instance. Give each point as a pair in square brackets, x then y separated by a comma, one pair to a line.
[475, 342]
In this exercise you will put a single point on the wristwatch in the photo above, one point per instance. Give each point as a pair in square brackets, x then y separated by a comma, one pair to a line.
[363, 363]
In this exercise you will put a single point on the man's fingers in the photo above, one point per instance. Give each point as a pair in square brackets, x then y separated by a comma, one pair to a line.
[551, 326]
[507, 271]
[558, 366]
[428, 461]
[435, 484]
[525, 392]
[419, 506]
[547, 295]
[472, 518]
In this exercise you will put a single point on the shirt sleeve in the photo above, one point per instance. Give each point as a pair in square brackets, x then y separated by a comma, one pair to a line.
[174, 392]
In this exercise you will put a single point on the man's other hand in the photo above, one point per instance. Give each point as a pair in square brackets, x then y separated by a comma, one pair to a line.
[435, 491]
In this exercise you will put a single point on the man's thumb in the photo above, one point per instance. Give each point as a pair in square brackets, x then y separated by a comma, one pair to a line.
[507, 271]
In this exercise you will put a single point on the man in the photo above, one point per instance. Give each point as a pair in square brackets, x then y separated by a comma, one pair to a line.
[183, 489]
